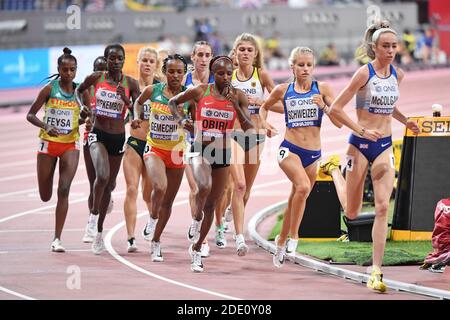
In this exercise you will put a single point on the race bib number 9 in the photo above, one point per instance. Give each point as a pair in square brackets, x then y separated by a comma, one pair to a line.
[283, 153]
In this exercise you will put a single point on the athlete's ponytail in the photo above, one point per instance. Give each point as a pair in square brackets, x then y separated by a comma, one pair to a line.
[366, 50]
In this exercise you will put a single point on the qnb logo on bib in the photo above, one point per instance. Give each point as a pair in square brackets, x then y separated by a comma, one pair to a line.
[60, 119]
[217, 114]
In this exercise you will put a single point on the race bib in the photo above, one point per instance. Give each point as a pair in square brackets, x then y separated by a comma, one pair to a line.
[301, 112]
[61, 119]
[283, 153]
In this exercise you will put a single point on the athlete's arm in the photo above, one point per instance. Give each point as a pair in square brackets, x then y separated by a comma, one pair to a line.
[358, 80]
[276, 96]
[192, 93]
[325, 100]
[37, 104]
[269, 85]
[85, 85]
[240, 102]
[138, 115]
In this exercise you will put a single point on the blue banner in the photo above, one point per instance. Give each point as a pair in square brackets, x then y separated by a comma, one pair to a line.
[23, 68]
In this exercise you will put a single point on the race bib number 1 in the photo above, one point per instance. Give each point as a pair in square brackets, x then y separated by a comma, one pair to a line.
[43, 146]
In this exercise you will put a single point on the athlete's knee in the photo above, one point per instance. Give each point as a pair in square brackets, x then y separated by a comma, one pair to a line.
[132, 191]
[45, 196]
[209, 207]
[159, 187]
[381, 208]
[102, 180]
[204, 190]
[351, 214]
[302, 190]
[240, 188]
[63, 190]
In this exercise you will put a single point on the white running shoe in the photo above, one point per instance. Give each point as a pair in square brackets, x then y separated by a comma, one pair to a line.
[228, 214]
[279, 255]
[149, 229]
[196, 260]
[57, 246]
[205, 250]
[91, 228]
[132, 247]
[194, 231]
[241, 247]
[110, 206]
[155, 253]
[291, 247]
[221, 241]
[98, 246]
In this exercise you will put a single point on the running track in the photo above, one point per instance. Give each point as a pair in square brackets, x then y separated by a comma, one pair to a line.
[29, 270]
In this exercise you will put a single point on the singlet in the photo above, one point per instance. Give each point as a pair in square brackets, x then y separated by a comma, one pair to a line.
[108, 103]
[164, 132]
[62, 112]
[216, 116]
[252, 87]
[188, 83]
[379, 95]
[299, 108]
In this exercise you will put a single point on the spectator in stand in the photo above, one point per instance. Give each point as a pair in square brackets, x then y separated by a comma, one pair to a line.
[409, 43]
[329, 56]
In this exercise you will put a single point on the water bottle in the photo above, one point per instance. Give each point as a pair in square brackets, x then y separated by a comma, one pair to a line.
[437, 108]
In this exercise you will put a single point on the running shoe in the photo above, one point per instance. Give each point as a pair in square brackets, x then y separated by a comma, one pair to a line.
[91, 228]
[98, 246]
[205, 249]
[329, 165]
[57, 246]
[241, 246]
[375, 281]
[196, 259]
[149, 229]
[228, 214]
[291, 247]
[279, 255]
[194, 231]
[132, 247]
[221, 241]
[156, 254]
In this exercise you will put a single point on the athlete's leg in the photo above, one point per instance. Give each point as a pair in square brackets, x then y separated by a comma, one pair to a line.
[383, 173]
[356, 171]
[156, 169]
[45, 171]
[68, 164]
[114, 167]
[218, 181]
[174, 178]
[90, 173]
[193, 189]
[132, 168]
[293, 168]
[239, 186]
[100, 161]
[146, 188]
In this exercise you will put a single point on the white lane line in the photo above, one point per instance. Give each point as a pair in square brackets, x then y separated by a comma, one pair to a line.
[3, 252]
[38, 230]
[17, 163]
[35, 190]
[109, 247]
[16, 294]
[115, 255]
